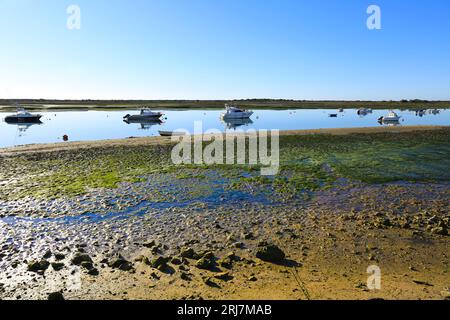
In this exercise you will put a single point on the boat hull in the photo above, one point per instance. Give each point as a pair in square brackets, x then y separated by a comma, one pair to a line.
[143, 118]
[16, 119]
[240, 115]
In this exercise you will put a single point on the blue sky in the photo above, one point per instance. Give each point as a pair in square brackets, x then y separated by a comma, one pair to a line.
[225, 49]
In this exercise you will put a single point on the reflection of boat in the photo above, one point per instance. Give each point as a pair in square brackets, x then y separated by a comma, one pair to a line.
[22, 127]
[233, 112]
[171, 133]
[144, 115]
[392, 117]
[434, 111]
[420, 113]
[145, 123]
[23, 116]
[234, 123]
[364, 111]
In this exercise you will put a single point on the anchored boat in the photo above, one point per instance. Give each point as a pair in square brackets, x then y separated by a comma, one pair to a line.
[392, 117]
[23, 116]
[233, 112]
[146, 114]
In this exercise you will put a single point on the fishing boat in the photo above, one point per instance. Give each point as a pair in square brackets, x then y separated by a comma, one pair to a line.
[392, 117]
[233, 112]
[333, 115]
[23, 116]
[144, 115]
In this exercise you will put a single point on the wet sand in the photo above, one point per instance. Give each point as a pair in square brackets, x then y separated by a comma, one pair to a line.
[199, 240]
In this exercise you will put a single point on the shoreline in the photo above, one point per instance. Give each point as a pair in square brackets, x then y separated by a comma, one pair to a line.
[67, 105]
[139, 141]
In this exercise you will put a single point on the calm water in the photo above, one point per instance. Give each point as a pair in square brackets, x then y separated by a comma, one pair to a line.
[97, 125]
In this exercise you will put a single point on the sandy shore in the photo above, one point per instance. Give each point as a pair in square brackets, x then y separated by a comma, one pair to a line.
[134, 141]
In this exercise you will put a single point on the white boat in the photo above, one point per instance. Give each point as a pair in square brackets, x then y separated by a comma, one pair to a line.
[144, 115]
[23, 116]
[233, 112]
[391, 117]
[364, 111]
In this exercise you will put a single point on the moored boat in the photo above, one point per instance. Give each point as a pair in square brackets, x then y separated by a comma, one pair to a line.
[145, 114]
[23, 116]
[233, 112]
[392, 117]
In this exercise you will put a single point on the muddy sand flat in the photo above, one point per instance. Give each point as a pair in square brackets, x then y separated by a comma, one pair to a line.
[115, 220]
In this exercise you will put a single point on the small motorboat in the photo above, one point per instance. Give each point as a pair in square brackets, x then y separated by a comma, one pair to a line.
[333, 115]
[171, 133]
[233, 112]
[23, 116]
[144, 115]
[341, 109]
[364, 111]
[392, 117]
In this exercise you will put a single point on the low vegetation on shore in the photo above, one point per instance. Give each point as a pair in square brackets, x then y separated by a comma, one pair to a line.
[41, 104]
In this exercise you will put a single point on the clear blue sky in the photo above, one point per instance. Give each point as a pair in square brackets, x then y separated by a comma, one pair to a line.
[224, 49]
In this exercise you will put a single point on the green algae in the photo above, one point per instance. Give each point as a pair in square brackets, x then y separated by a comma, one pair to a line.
[307, 163]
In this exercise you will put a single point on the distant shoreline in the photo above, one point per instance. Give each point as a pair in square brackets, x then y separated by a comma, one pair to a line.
[133, 141]
[42, 104]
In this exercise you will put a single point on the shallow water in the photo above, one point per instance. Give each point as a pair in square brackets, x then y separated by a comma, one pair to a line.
[99, 125]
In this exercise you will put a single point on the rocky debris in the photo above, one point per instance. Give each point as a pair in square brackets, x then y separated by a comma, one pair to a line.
[224, 276]
[210, 283]
[59, 256]
[207, 262]
[185, 276]
[47, 254]
[93, 272]
[55, 296]
[189, 253]
[87, 265]
[120, 263]
[150, 244]
[440, 231]
[176, 261]
[160, 263]
[38, 266]
[252, 279]
[269, 252]
[57, 266]
[80, 257]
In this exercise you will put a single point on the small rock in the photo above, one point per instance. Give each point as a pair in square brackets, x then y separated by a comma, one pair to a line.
[79, 258]
[189, 253]
[36, 266]
[57, 266]
[270, 253]
[55, 296]
[224, 276]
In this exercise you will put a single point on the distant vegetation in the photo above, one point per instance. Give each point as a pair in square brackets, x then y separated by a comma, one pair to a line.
[215, 104]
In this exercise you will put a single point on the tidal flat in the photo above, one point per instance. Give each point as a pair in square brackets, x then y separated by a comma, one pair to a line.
[114, 220]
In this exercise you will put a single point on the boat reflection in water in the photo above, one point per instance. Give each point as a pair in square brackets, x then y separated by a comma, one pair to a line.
[146, 124]
[236, 123]
[22, 127]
